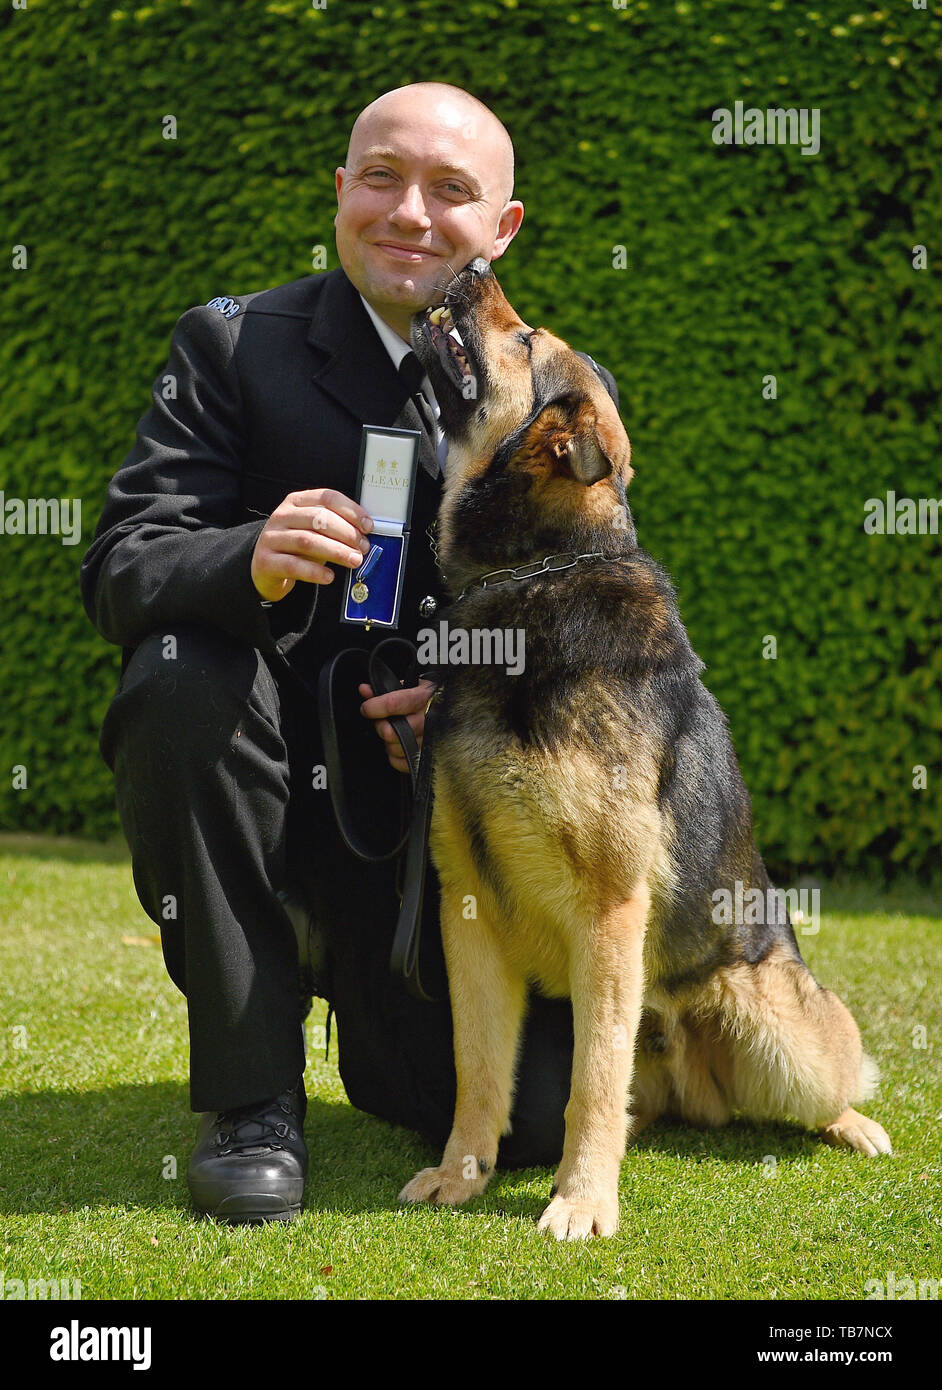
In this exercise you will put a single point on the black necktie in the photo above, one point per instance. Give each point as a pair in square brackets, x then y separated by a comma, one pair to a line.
[413, 373]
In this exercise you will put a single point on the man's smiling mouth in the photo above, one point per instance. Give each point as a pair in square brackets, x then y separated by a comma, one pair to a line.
[398, 249]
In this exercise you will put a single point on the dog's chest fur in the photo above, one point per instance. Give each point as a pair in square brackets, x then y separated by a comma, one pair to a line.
[547, 783]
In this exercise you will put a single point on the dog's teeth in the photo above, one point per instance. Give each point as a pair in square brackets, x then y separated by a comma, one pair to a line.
[446, 314]
[435, 315]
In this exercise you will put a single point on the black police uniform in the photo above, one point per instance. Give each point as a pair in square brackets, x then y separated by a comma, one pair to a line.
[213, 735]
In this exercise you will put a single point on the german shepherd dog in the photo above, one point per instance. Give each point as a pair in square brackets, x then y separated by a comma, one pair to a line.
[591, 806]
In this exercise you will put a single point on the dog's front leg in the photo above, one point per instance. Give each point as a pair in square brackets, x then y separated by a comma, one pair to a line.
[606, 982]
[487, 1004]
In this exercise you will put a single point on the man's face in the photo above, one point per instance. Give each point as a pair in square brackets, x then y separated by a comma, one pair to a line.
[422, 191]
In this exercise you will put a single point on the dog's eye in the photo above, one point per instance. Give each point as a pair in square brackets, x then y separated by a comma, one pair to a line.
[527, 338]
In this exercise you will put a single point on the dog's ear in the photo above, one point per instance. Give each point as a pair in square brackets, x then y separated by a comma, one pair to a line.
[580, 439]
[588, 463]
[582, 447]
[600, 446]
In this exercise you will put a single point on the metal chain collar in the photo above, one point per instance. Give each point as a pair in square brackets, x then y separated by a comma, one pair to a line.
[431, 531]
[568, 558]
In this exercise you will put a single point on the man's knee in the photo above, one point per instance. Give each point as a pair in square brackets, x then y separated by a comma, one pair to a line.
[189, 662]
[185, 685]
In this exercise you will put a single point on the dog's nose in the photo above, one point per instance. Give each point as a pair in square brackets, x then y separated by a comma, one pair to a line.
[479, 266]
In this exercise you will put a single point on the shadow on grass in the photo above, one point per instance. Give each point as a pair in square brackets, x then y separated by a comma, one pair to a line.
[128, 1146]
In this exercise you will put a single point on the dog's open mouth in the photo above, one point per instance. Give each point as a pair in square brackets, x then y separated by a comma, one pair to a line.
[440, 328]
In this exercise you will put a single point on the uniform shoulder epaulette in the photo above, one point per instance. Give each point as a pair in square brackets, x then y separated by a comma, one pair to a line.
[226, 306]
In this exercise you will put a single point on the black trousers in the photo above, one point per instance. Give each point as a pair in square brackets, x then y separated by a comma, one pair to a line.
[214, 751]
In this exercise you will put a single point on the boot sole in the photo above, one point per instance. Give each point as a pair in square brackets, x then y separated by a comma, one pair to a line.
[250, 1208]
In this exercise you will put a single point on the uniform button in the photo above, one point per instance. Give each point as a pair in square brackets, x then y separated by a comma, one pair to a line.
[428, 606]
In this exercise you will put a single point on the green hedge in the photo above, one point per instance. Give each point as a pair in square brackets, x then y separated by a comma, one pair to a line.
[741, 261]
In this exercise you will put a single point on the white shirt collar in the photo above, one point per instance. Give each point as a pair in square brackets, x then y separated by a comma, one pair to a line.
[398, 348]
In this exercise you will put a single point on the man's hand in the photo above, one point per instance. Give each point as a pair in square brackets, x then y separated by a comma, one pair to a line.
[306, 531]
[412, 701]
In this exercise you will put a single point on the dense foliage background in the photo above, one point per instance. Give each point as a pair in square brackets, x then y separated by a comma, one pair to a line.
[741, 262]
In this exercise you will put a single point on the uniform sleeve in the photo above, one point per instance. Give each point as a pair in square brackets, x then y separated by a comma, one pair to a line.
[170, 545]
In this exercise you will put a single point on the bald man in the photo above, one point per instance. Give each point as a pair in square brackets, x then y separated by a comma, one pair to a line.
[213, 567]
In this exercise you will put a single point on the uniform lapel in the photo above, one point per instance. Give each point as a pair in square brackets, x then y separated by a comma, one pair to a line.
[355, 368]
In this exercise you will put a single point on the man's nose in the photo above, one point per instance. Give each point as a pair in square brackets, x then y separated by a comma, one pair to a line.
[411, 206]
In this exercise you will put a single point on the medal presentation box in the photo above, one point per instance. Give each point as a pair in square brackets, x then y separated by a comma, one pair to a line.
[385, 486]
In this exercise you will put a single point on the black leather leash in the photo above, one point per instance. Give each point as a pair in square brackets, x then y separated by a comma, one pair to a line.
[404, 957]
[383, 680]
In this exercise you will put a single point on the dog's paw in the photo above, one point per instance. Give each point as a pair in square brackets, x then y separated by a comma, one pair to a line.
[569, 1219]
[442, 1186]
[854, 1131]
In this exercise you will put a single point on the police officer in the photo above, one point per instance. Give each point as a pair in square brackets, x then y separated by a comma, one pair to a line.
[211, 567]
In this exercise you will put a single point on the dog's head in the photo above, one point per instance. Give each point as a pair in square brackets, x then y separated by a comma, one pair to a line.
[539, 459]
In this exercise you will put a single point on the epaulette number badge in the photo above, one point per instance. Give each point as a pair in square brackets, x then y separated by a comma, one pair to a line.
[227, 307]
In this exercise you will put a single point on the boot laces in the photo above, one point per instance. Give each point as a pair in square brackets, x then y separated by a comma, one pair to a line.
[253, 1129]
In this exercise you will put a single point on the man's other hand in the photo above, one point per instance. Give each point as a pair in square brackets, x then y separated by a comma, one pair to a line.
[411, 701]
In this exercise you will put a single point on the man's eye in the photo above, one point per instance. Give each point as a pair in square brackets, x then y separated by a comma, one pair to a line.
[457, 188]
[378, 174]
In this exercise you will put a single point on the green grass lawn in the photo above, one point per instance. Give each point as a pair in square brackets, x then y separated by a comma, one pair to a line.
[94, 1109]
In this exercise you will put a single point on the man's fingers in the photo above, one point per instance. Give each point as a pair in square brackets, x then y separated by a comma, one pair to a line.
[388, 734]
[328, 499]
[411, 699]
[313, 546]
[394, 749]
[323, 525]
[318, 525]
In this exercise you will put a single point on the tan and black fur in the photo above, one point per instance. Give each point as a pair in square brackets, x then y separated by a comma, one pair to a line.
[588, 808]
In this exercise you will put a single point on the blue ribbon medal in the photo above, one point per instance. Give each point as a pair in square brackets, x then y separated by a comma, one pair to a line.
[385, 487]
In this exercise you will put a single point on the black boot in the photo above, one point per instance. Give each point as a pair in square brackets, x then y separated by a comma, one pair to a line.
[250, 1163]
